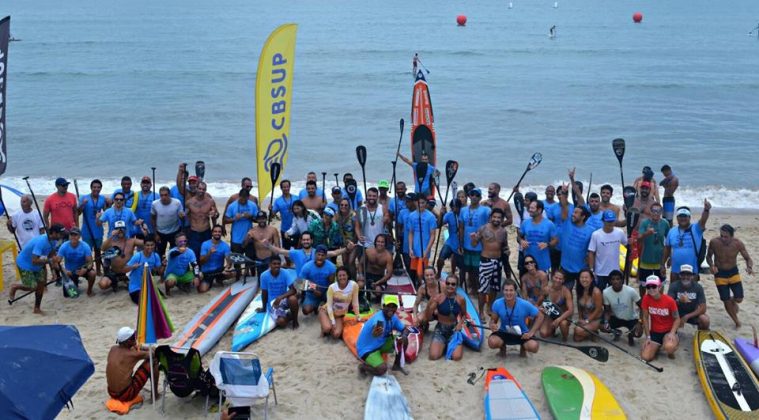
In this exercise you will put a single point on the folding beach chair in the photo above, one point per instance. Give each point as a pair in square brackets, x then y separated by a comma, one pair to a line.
[184, 374]
[241, 381]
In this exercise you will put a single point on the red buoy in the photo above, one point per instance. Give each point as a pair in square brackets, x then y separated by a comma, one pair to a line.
[637, 17]
[461, 20]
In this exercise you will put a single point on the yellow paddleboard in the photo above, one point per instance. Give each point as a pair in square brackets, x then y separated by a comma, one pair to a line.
[633, 268]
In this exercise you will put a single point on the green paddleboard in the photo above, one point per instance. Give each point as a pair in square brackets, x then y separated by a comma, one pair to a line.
[563, 393]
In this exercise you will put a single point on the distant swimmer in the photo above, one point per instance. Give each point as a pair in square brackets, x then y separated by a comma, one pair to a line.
[415, 63]
[552, 32]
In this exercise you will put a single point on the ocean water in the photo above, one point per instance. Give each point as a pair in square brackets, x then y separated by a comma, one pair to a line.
[106, 90]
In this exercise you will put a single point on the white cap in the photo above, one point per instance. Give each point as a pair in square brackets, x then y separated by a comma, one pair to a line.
[653, 280]
[119, 224]
[124, 334]
[683, 212]
[685, 268]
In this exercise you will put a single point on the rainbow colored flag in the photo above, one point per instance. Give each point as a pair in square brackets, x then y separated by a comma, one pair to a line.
[153, 321]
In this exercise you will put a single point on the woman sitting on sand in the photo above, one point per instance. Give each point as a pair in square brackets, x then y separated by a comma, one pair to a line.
[561, 298]
[533, 281]
[342, 295]
[590, 306]
[428, 291]
[451, 315]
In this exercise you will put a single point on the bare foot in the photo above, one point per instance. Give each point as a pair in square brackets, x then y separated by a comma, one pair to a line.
[12, 293]
[671, 356]
[522, 352]
[503, 352]
[738, 325]
[38, 311]
[90, 293]
[295, 325]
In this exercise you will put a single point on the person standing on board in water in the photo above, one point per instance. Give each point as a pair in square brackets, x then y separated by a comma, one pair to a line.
[415, 62]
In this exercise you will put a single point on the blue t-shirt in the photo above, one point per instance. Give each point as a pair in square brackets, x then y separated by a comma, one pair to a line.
[181, 263]
[285, 209]
[128, 197]
[553, 213]
[216, 260]
[89, 222]
[534, 234]
[241, 227]
[368, 343]
[299, 258]
[574, 246]
[402, 216]
[335, 206]
[452, 221]
[428, 224]
[472, 221]
[359, 197]
[595, 221]
[74, 257]
[275, 286]
[425, 186]
[681, 242]
[135, 276]
[391, 206]
[303, 193]
[38, 246]
[144, 204]
[318, 275]
[112, 215]
[176, 194]
[516, 316]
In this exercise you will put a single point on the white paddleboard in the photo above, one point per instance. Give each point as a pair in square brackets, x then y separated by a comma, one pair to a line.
[386, 400]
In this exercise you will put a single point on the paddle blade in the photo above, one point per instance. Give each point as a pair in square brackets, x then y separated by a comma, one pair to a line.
[451, 167]
[274, 172]
[618, 145]
[595, 352]
[200, 169]
[350, 188]
[361, 155]
[534, 161]
[632, 220]
[402, 123]
[628, 193]
[551, 309]
[519, 203]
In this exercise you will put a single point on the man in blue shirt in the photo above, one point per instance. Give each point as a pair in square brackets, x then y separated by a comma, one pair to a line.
[311, 176]
[471, 218]
[31, 261]
[137, 264]
[277, 287]
[424, 172]
[376, 338]
[77, 257]
[241, 214]
[512, 313]
[126, 190]
[182, 268]
[358, 201]
[574, 240]
[119, 212]
[682, 245]
[321, 273]
[451, 247]
[213, 261]
[284, 206]
[90, 207]
[537, 235]
[143, 203]
[422, 227]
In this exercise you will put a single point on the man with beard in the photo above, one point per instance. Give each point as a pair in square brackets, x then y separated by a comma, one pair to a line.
[647, 176]
[494, 242]
[61, 206]
[537, 235]
[126, 189]
[575, 238]
[305, 254]
[284, 206]
[202, 212]
[471, 219]
[143, 203]
[38, 253]
[495, 201]
[684, 241]
[398, 202]
[255, 237]
[117, 251]
[277, 288]
[311, 176]
[247, 184]
[370, 219]
[118, 212]
[595, 220]
[77, 256]
[375, 267]
[311, 200]
[606, 193]
[182, 266]
[690, 298]
[560, 214]
[214, 263]
[337, 195]
[644, 201]
[188, 190]
[167, 214]
[422, 227]
[241, 214]
[451, 246]
[359, 199]
[723, 263]
[383, 185]
[670, 184]
[651, 236]
[320, 273]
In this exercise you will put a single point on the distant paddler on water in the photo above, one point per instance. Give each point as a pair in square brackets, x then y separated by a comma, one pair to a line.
[415, 63]
[552, 32]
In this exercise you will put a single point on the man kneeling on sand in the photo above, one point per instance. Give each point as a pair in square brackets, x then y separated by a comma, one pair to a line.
[124, 383]
[376, 339]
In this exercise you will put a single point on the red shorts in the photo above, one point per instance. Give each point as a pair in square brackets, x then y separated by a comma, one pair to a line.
[139, 379]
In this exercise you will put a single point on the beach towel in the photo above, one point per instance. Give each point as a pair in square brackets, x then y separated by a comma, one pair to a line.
[121, 407]
[456, 339]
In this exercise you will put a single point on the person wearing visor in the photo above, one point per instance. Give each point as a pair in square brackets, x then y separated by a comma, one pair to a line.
[660, 320]
[683, 244]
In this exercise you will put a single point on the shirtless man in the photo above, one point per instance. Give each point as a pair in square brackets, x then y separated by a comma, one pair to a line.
[375, 266]
[201, 209]
[644, 201]
[312, 201]
[114, 266]
[648, 175]
[723, 263]
[125, 384]
[494, 243]
[259, 233]
[670, 184]
[606, 192]
[495, 201]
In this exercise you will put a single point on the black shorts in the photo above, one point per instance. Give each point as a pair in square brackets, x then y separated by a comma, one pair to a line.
[615, 323]
[509, 339]
[736, 289]
[210, 276]
[135, 296]
[570, 279]
[658, 337]
[249, 251]
[370, 278]
[693, 321]
[555, 258]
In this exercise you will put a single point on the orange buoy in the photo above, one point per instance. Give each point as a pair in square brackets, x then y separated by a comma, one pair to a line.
[637, 17]
[461, 20]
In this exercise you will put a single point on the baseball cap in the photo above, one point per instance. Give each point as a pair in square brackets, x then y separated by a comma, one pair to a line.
[321, 249]
[431, 203]
[383, 183]
[57, 228]
[75, 231]
[61, 181]
[645, 184]
[193, 179]
[336, 190]
[653, 280]
[686, 268]
[531, 196]
[119, 224]
[682, 211]
[609, 216]
[390, 300]
[329, 212]
[261, 215]
[146, 179]
[410, 196]
[476, 191]
[124, 334]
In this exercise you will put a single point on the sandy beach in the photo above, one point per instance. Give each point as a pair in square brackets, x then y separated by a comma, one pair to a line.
[317, 378]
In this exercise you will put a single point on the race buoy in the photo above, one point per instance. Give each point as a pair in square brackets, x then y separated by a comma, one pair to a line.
[637, 17]
[461, 20]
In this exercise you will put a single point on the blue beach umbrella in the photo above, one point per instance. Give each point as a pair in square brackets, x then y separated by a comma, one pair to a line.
[41, 368]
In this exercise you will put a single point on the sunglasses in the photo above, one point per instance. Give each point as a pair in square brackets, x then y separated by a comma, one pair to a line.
[529, 262]
[448, 283]
[651, 287]
[118, 199]
[655, 211]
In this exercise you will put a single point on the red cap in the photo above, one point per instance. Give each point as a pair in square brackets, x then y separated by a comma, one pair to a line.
[645, 184]
[193, 179]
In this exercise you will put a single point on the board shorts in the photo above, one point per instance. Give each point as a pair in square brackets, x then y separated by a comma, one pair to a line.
[602, 282]
[31, 278]
[209, 277]
[443, 333]
[249, 251]
[555, 258]
[374, 358]
[615, 323]
[310, 299]
[668, 207]
[135, 296]
[262, 265]
[490, 275]
[139, 379]
[280, 311]
[471, 259]
[509, 339]
[448, 252]
[729, 282]
[570, 279]
[196, 239]
[185, 278]
[370, 278]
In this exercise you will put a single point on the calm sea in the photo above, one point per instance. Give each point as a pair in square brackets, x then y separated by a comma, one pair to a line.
[110, 89]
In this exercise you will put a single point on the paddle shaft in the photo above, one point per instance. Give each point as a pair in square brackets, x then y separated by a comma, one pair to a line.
[449, 176]
[518, 182]
[8, 216]
[11, 302]
[86, 222]
[324, 185]
[590, 184]
[583, 349]
[595, 334]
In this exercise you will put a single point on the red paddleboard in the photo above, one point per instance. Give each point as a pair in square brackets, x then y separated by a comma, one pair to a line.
[422, 120]
[407, 296]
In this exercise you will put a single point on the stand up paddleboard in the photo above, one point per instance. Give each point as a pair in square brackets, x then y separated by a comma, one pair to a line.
[422, 122]
[505, 399]
[386, 400]
[750, 352]
[473, 335]
[352, 329]
[213, 320]
[407, 296]
[729, 386]
[574, 393]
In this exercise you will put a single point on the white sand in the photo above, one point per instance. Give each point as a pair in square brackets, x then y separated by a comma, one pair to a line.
[317, 378]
